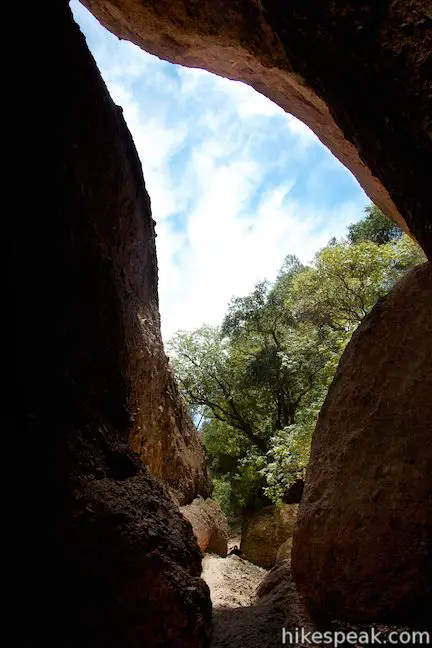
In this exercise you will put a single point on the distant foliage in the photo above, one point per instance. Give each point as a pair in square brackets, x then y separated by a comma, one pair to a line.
[222, 494]
[375, 227]
[258, 381]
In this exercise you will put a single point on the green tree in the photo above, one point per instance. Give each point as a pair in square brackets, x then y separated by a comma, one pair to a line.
[248, 379]
[347, 280]
[375, 227]
[212, 378]
[257, 382]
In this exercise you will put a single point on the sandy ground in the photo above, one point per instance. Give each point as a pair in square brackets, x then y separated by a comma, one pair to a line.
[239, 619]
[232, 580]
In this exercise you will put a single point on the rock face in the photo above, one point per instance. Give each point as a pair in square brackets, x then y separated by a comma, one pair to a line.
[284, 551]
[162, 433]
[117, 314]
[263, 533]
[362, 546]
[103, 556]
[278, 581]
[320, 62]
[209, 525]
[135, 564]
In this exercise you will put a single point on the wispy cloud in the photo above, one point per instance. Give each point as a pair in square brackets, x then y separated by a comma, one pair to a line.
[235, 183]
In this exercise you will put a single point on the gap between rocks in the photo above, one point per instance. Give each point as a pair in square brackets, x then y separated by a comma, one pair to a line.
[250, 604]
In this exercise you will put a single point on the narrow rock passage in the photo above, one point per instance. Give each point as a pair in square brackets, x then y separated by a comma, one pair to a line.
[240, 618]
[251, 606]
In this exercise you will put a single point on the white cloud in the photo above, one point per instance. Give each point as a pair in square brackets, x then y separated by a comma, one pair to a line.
[230, 177]
[226, 255]
[156, 143]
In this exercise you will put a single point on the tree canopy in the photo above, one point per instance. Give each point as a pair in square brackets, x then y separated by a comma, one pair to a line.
[375, 227]
[255, 384]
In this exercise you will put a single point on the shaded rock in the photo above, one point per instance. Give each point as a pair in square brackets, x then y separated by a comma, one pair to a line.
[278, 584]
[294, 493]
[102, 556]
[111, 280]
[263, 533]
[284, 551]
[135, 562]
[111, 277]
[362, 545]
[318, 61]
[278, 591]
[209, 525]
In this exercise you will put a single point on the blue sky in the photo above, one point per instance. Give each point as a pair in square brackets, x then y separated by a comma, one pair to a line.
[235, 183]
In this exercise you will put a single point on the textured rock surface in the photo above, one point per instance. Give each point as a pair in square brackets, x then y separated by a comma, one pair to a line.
[135, 564]
[284, 551]
[264, 531]
[240, 618]
[209, 525]
[363, 542]
[355, 72]
[232, 580]
[102, 556]
[277, 583]
[162, 433]
[117, 316]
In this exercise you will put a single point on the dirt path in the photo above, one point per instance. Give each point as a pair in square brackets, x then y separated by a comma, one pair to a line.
[240, 620]
[232, 581]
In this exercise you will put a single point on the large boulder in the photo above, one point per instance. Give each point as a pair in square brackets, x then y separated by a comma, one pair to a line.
[278, 591]
[130, 552]
[101, 555]
[279, 577]
[209, 525]
[118, 317]
[319, 61]
[363, 543]
[264, 531]
[284, 551]
[110, 282]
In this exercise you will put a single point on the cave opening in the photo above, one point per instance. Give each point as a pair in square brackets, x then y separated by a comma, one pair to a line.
[110, 400]
[236, 185]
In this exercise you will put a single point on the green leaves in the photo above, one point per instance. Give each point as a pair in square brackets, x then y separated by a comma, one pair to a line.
[347, 280]
[374, 227]
[256, 384]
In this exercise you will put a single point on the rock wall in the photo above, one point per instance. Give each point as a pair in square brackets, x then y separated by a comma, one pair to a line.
[209, 525]
[101, 555]
[284, 551]
[114, 309]
[265, 531]
[355, 72]
[100, 552]
[162, 432]
[362, 548]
